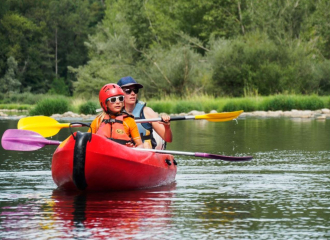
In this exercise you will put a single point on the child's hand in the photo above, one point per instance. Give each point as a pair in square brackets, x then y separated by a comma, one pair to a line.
[129, 144]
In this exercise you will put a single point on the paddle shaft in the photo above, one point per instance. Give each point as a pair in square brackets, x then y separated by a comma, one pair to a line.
[174, 118]
[32, 141]
[198, 154]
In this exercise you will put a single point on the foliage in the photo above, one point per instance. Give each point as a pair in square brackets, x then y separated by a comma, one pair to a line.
[111, 58]
[20, 98]
[187, 106]
[19, 107]
[24, 45]
[9, 83]
[310, 103]
[255, 63]
[289, 102]
[215, 47]
[177, 71]
[59, 87]
[161, 106]
[280, 20]
[89, 107]
[248, 104]
[45, 37]
[173, 105]
[49, 106]
[240, 104]
[280, 102]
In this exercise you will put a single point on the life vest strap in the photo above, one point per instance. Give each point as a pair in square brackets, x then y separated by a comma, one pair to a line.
[120, 141]
[145, 137]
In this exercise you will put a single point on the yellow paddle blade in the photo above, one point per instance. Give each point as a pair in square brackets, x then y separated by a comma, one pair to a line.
[45, 126]
[219, 117]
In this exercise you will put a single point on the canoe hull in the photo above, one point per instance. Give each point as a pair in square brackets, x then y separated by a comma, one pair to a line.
[107, 165]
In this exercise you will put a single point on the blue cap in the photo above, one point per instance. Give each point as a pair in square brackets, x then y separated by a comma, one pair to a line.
[128, 81]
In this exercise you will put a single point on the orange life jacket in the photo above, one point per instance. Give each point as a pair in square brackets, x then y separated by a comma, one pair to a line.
[113, 128]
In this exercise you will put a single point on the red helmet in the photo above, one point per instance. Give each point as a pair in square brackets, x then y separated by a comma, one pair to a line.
[107, 91]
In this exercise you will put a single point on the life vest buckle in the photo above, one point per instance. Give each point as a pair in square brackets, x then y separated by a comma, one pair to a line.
[111, 120]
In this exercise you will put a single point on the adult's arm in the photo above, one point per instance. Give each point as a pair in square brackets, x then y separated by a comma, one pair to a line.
[162, 128]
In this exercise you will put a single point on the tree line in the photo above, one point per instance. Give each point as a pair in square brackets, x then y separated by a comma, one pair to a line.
[182, 47]
[39, 39]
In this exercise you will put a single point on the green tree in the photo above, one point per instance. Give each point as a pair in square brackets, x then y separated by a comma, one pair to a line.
[280, 20]
[70, 22]
[255, 63]
[112, 56]
[9, 83]
[59, 87]
[45, 37]
[204, 19]
[316, 29]
[179, 70]
[161, 22]
[21, 38]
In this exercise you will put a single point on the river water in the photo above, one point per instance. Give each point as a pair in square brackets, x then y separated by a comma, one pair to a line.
[283, 193]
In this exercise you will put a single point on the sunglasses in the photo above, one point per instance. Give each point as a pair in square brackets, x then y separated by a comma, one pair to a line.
[129, 90]
[114, 99]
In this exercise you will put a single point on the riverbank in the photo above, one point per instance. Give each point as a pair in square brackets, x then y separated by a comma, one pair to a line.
[321, 114]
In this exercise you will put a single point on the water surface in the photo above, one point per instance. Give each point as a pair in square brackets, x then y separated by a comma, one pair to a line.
[283, 193]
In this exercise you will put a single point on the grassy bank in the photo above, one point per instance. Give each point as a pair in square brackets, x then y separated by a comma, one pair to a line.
[248, 104]
[48, 105]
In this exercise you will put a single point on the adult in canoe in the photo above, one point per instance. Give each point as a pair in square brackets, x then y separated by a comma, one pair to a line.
[153, 134]
[114, 122]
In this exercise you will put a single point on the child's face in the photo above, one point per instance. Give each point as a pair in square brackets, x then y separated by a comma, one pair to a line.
[115, 104]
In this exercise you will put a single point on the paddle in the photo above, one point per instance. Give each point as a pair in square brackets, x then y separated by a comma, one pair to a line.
[213, 117]
[23, 140]
[199, 154]
[47, 126]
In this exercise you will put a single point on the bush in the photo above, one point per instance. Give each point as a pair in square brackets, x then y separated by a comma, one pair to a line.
[88, 107]
[19, 107]
[287, 103]
[177, 71]
[26, 98]
[209, 106]
[187, 106]
[280, 102]
[242, 104]
[161, 107]
[310, 103]
[256, 63]
[50, 106]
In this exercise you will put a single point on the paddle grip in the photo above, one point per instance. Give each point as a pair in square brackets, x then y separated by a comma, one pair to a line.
[176, 118]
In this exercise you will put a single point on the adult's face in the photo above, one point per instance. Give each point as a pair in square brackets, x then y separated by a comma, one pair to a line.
[130, 94]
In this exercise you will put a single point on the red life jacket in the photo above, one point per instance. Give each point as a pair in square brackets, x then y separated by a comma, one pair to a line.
[113, 128]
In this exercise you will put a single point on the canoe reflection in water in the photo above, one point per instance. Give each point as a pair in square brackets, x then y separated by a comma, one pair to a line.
[115, 214]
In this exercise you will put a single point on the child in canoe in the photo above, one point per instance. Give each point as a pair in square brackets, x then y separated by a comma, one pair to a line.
[114, 122]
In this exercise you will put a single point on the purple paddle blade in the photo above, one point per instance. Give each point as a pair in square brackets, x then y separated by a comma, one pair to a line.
[225, 158]
[24, 140]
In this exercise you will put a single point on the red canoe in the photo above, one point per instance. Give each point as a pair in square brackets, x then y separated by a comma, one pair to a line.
[90, 162]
